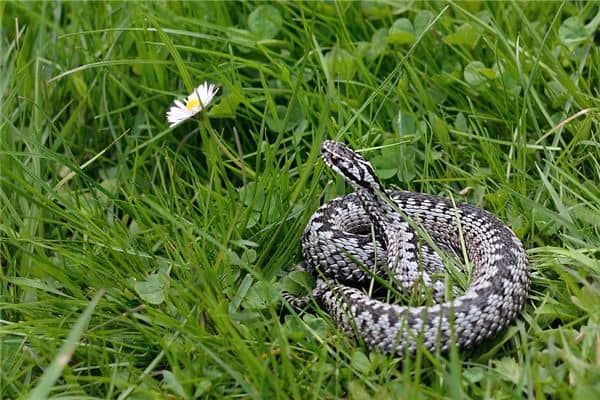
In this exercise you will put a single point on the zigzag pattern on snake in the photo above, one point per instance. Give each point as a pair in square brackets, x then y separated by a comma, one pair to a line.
[371, 232]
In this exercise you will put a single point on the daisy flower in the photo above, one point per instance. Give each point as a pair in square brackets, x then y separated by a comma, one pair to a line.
[195, 102]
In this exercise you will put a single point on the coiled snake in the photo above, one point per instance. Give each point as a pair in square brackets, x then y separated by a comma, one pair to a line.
[377, 234]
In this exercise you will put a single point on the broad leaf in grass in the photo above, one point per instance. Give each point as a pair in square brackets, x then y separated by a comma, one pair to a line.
[287, 118]
[265, 22]
[377, 45]
[572, 31]
[476, 73]
[152, 290]
[396, 160]
[465, 35]
[401, 32]
[340, 64]
[422, 21]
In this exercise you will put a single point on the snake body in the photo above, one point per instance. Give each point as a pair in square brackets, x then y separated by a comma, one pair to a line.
[374, 232]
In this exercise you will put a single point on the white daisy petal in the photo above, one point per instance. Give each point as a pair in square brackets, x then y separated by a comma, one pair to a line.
[202, 96]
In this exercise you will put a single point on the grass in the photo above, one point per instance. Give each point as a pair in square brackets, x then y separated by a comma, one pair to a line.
[141, 262]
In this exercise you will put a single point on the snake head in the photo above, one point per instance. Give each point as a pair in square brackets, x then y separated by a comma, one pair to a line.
[349, 164]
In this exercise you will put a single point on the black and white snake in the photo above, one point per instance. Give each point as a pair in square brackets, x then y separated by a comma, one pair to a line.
[374, 233]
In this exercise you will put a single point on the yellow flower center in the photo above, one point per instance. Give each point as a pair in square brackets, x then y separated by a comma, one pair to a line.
[193, 103]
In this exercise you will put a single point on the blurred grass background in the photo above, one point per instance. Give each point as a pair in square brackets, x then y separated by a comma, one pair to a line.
[142, 262]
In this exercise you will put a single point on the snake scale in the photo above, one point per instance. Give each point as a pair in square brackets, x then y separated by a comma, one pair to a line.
[376, 233]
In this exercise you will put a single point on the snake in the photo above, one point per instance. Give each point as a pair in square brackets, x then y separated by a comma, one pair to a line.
[376, 237]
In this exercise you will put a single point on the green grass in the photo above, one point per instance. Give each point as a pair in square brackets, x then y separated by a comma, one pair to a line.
[141, 262]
